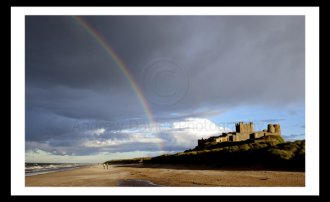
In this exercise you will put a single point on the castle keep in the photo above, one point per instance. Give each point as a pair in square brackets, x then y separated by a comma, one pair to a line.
[244, 131]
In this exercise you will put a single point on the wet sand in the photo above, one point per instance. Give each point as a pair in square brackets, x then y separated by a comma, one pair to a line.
[96, 176]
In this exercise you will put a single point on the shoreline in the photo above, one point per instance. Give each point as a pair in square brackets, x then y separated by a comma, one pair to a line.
[42, 172]
[128, 175]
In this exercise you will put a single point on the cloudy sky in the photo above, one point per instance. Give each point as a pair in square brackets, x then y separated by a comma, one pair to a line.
[109, 87]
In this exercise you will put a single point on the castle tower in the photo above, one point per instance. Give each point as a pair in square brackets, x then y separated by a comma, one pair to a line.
[244, 128]
[271, 128]
[277, 128]
[239, 127]
[251, 127]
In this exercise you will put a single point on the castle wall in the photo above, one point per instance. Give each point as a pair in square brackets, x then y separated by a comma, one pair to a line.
[222, 139]
[241, 137]
[259, 134]
[268, 134]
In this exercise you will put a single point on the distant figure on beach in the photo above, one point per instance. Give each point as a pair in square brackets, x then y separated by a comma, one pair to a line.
[107, 166]
[103, 166]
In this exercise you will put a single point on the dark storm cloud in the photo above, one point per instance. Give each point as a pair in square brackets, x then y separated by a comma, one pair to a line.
[224, 61]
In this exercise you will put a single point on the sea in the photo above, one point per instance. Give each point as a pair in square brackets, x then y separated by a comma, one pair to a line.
[43, 168]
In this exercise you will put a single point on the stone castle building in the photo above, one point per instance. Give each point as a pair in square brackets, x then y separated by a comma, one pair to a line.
[244, 131]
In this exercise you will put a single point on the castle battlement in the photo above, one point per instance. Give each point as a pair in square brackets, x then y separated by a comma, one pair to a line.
[244, 131]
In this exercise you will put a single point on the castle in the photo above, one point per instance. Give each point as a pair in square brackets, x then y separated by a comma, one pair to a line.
[244, 131]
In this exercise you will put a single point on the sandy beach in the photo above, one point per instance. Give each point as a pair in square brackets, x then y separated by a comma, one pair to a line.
[96, 176]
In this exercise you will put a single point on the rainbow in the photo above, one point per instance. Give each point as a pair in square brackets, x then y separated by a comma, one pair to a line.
[120, 63]
[122, 66]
